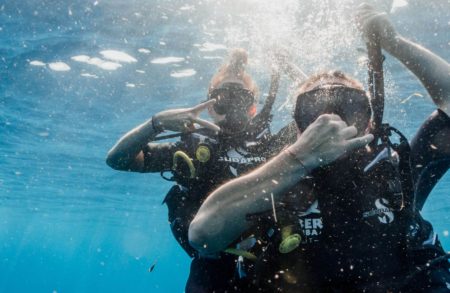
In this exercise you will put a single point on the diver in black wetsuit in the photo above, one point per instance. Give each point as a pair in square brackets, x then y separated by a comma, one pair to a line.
[346, 217]
[202, 160]
[431, 149]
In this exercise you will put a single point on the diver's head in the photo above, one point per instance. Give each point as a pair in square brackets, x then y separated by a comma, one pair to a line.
[333, 93]
[234, 108]
[235, 93]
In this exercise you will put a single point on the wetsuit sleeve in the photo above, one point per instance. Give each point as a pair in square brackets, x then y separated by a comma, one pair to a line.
[430, 155]
[159, 156]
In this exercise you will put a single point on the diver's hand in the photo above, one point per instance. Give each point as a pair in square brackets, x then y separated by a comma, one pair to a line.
[183, 120]
[375, 25]
[325, 140]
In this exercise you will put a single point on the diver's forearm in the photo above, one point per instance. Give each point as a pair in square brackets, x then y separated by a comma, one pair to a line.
[432, 71]
[223, 216]
[123, 154]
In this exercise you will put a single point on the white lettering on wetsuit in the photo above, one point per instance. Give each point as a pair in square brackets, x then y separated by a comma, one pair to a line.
[242, 160]
[238, 156]
[311, 227]
[311, 223]
[385, 214]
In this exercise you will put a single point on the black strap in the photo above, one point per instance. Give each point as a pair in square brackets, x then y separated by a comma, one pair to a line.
[177, 134]
[264, 117]
[404, 150]
[376, 84]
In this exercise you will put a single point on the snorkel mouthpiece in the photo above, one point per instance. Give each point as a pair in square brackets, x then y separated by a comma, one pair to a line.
[236, 120]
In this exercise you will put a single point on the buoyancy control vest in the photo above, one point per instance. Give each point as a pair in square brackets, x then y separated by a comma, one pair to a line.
[366, 205]
[357, 222]
[204, 162]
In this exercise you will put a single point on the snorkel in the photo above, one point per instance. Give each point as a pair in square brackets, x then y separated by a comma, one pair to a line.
[376, 85]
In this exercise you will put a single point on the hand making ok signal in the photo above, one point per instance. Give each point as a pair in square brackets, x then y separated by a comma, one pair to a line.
[182, 120]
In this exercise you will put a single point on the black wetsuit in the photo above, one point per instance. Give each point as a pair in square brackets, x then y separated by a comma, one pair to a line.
[359, 233]
[228, 158]
[431, 153]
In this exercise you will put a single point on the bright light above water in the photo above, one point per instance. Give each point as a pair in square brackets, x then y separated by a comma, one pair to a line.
[59, 66]
[167, 60]
[100, 63]
[183, 73]
[37, 63]
[118, 56]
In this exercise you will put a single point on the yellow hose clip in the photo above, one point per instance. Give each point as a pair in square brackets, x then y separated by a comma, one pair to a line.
[186, 159]
[289, 241]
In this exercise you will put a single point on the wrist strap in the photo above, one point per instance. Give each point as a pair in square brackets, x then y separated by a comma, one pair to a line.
[294, 157]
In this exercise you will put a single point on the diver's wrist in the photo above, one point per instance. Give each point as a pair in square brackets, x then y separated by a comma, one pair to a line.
[301, 162]
[157, 125]
[391, 44]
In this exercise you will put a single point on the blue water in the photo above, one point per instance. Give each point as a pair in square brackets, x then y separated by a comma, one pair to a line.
[68, 223]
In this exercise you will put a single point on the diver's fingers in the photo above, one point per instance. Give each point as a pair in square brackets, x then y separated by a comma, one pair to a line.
[365, 10]
[362, 19]
[206, 124]
[200, 107]
[349, 132]
[366, 13]
[340, 124]
[334, 117]
[325, 119]
[359, 141]
[364, 6]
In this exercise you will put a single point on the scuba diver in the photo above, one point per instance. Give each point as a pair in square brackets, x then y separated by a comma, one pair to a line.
[343, 202]
[203, 158]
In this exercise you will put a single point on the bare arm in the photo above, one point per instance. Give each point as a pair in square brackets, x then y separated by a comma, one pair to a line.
[222, 217]
[430, 69]
[127, 154]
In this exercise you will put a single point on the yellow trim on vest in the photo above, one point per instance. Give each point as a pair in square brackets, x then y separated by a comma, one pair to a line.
[289, 241]
[186, 159]
[203, 154]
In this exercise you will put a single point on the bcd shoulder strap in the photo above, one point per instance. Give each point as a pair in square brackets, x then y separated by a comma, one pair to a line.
[403, 149]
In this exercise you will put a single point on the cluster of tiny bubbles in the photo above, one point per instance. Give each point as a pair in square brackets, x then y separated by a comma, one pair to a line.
[316, 35]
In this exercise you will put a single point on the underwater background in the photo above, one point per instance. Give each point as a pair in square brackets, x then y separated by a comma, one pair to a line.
[76, 75]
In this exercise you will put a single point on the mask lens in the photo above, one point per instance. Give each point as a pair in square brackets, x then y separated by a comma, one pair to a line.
[231, 100]
[352, 105]
[222, 98]
[355, 109]
[309, 107]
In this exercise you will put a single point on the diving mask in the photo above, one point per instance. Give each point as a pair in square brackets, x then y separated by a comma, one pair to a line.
[233, 101]
[351, 104]
[230, 97]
